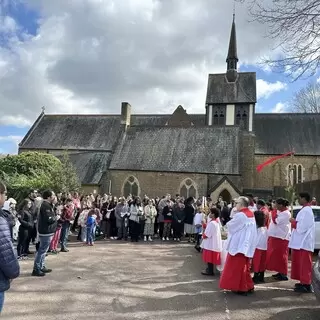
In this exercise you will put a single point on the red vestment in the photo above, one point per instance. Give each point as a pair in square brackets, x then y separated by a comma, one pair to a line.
[301, 266]
[236, 274]
[259, 261]
[213, 257]
[277, 255]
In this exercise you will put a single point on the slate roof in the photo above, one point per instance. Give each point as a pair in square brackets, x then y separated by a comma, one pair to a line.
[83, 132]
[90, 166]
[161, 119]
[281, 133]
[199, 150]
[243, 90]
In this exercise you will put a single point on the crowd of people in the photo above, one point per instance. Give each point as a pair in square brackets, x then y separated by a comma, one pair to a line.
[246, 235]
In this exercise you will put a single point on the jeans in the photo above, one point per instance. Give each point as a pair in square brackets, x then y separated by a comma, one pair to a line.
[41, 253]
[90, 233]
[1, 301]
[64, 234]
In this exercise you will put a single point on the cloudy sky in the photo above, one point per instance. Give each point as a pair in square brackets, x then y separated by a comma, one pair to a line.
[86, 56]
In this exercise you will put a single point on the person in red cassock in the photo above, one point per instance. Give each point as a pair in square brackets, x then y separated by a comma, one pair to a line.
[261, 206]
[212, 243]
[242, 238]
[279, 233]
[259, 261]
[302, 245]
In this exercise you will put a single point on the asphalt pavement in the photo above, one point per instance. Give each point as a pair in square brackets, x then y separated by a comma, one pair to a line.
[117, 280]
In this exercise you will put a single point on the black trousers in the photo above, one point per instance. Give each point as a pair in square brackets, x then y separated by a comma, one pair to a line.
[134, 230]
[23, 236]
[161, 227]
[177, 230]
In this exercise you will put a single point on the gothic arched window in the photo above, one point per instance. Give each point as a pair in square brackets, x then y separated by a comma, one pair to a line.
[295, 173]
[218, 115]
[131, 186]
[242, 116]
[188, 188]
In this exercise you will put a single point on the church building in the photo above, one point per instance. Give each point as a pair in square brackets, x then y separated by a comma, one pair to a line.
[214, 153]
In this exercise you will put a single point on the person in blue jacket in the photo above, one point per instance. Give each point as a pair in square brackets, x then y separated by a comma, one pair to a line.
[9, 265]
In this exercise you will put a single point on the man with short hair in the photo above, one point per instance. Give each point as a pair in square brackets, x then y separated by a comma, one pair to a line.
[242, 237]
[47, 225]
[302, 245]
[9, 265]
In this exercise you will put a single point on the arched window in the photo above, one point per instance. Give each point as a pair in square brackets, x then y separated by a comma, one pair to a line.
[218, 115]
[242, 116]
[131, 186]
[295, 173]
[188, 188]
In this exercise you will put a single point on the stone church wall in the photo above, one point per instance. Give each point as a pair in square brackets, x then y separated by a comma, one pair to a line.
[276, 174]
[157, 183]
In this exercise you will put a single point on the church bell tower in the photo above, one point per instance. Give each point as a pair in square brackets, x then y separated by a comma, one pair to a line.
[231, 96]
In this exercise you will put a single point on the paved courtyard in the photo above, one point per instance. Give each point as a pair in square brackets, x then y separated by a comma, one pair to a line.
[143, 281]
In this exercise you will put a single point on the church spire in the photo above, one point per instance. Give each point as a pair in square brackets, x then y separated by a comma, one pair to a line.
[232, 58]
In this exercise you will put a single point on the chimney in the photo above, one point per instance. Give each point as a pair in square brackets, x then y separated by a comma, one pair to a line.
[125, 114]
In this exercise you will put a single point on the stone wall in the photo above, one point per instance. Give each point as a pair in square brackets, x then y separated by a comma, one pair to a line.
[157, 183]
[276, 174]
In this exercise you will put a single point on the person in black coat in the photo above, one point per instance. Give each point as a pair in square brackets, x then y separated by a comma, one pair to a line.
[26, 225]
[178, 220]
[9, 265]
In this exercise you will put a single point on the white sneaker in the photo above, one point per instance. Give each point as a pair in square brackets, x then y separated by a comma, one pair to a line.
[163, 239]
[174, 239]
[179, 240]
[168, 239]
[145, 238]
[111, 238]
[150, 239]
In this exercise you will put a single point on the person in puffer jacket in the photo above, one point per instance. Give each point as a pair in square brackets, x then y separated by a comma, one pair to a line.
[9, 265]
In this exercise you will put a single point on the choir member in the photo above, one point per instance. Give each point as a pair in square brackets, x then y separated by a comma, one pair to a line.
[302, 245]
[242, 237]
[212, 243]
[279, 233]
[260, 255]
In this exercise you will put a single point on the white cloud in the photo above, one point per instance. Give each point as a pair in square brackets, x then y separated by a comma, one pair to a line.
[280, 107]
[90, 55]
[265, 89]
[14, 140]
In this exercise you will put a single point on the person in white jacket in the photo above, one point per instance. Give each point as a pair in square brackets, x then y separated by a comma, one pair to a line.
[242, 238]
[302, 245]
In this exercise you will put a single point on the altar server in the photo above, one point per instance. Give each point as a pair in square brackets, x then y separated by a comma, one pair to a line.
[242, 237]
[212, 243]
[259, 260]
[279, 233]
[302, 245]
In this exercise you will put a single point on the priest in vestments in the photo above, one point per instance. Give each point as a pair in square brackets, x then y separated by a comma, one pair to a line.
[242, 238]
[302, 245]
[279, 234]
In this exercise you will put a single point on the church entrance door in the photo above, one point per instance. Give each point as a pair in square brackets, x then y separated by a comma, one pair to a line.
[225, 195]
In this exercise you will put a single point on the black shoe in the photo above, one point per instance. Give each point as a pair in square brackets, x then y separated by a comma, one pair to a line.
[256, 278]
[46, 270]
[304, 288]
[276, 275]
[251, 291]
[281, 277]
[261, 277]
[36, 273]
[207, 273]
[29, 252]
[64, 250]
[297, 285]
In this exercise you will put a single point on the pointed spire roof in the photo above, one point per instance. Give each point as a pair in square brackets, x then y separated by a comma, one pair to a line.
[232, 52]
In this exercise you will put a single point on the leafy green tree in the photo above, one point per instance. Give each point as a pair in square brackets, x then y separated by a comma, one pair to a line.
[66, 178]
[36, 170]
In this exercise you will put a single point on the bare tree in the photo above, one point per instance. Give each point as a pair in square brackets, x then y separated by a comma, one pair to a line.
[295, 25]
[307, 99]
